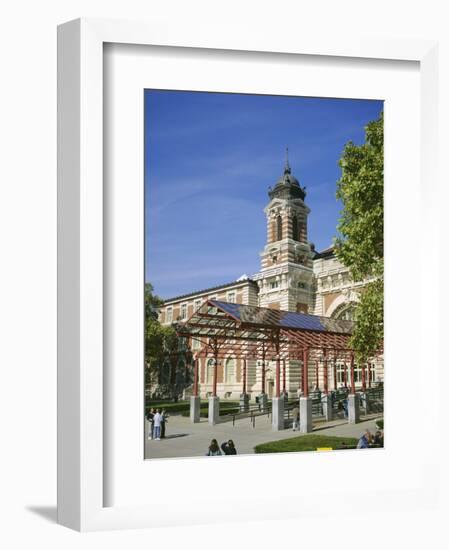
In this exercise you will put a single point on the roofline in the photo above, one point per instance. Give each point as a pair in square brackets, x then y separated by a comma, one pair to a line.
[326, 253]
[207, 290]
[346, 321]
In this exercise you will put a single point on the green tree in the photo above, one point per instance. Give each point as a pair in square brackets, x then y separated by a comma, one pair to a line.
[161, 342]
[152, 303]
[360, 244]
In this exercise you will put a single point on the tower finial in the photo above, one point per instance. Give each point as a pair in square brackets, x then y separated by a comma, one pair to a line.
[287, 165]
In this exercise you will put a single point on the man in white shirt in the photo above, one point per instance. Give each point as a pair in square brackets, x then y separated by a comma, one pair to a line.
[157, 425]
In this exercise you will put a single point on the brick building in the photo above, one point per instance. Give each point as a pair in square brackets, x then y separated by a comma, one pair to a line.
[293, 277]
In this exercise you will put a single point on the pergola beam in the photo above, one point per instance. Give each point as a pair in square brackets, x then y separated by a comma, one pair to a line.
[222, 335]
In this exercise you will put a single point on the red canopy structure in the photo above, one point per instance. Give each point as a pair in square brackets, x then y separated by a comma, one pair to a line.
[250, 332]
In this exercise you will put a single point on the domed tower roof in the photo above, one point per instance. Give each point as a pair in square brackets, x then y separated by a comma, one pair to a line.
[287, 186]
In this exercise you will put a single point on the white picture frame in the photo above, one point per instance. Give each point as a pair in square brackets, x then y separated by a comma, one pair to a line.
[81, 399]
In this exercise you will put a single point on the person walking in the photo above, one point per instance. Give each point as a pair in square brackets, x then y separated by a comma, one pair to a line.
[228, 447]
[295, 416]
[150, 418]
[157, 425]
[164, 417]
[345, 407]
[214, 449]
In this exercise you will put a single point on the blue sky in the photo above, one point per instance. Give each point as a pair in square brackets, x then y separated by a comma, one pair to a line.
[209, 160]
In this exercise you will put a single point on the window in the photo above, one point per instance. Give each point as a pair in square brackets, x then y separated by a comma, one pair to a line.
[357, 374]
[210, 371]
[197, 305]
[345, 313]
[169, 315]
[230, 371]
[301, 285]
[279, 227]
[196, 344]
[231, 297]
[184, 311]
[212, 310]
[274, 284]
[341, 374]
[295, 235]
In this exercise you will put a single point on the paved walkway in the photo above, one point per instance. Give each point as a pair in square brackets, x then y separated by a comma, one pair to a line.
[184, 439]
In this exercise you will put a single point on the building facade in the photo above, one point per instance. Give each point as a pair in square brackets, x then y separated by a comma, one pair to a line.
[293, 277]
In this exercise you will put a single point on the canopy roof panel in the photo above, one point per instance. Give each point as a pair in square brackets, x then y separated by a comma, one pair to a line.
[254, 331]
[275, 318]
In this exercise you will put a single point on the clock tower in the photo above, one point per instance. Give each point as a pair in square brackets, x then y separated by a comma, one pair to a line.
[286, 276]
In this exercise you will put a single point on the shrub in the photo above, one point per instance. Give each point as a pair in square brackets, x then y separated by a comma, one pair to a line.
[379, 423]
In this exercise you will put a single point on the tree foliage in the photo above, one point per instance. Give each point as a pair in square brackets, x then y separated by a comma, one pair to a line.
[359, 245]
[368, 332]
[160, 341]
[152, 303]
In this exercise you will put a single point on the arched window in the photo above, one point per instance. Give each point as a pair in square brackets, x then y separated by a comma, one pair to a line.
[345, 312]
[279, 227]
[230, 371]
[295, 235]
[210, 371]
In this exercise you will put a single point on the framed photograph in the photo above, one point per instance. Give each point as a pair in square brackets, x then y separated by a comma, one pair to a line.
[234, 216]
[259, 356]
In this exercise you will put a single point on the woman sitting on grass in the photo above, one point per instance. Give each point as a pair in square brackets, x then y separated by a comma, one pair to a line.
[365, 440]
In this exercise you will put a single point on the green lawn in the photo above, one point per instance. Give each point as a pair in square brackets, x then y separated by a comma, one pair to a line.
[306, 443]
[204, 412]
[183, 407]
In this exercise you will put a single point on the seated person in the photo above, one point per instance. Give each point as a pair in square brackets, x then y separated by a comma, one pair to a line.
[228, 448]
[378, 439]
[365, 440]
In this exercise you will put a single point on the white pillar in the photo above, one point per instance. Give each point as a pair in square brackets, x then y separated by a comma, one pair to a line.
[277, 413]
[195, 404]
[214, 410]
[244, 402]
[305, 414]
[326, 401]
[353, 408]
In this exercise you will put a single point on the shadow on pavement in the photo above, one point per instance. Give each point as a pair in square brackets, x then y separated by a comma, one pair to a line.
[329, 426]
[174, 436]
